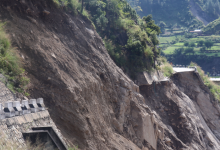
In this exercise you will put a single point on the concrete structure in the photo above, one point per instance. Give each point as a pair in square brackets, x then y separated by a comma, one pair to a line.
[2, 113]
[146, 78]
[12, 128]
[41, 136]
[56, 139]
[196, 31]
[17, 108]
[9, 110]
[25, 107]
[40, 103]
[191, 69]
[33, 105]
[215, 80]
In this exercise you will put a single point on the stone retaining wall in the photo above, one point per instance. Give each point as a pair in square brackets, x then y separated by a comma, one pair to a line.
[12, 128]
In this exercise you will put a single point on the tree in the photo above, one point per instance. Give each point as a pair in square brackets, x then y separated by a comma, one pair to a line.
[148, 18]
[202, 49]
[82, 7]
[192, 44]
[189, 50]
[209, 44]
[178, 51]
[186, 43]
[162, 26]
[200, 43]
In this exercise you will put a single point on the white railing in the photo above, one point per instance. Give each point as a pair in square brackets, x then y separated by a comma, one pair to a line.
[17, 108]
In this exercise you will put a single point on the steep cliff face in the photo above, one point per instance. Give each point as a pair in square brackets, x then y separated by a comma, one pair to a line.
[93, 103]
[187, 111]
[69, 66]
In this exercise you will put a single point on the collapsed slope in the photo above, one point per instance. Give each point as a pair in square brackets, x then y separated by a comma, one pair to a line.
[93, 103]
[187, 111]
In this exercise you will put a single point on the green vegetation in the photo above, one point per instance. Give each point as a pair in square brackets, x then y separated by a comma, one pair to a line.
[172, 12]
[130, 40]
[213, 27]
[73, 148]
[177, 13]
[200, 45]
[70, 5]
[10, 66]
[169, 39]
[136, 50]
[182, 49]
[166, 67]
[211, 7]
[214, 88]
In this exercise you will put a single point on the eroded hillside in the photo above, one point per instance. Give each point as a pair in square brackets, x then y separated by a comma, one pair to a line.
[188, 13]
[93, 103]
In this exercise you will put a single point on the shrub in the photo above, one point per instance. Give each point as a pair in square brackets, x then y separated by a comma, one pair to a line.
[186, 43]
[72, 5]
[10, 65]
[209, 44]
[202, 49]
[130, 40]
[200, 43]
[189, 50]
[166, 68]
[192, 44]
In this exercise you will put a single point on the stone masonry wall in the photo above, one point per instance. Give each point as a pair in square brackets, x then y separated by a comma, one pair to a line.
[12, 128]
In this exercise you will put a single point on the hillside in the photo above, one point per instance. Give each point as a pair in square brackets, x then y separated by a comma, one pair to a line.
[93, 103]
[186, 13]
[213, 27]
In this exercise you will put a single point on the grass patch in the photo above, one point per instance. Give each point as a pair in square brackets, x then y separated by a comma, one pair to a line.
[215, 48]
[10, 66]
[214, 88]
[169, 39]
[170, 50]
[179, 44]
[166, 67]
[178, 31]
[217, 44]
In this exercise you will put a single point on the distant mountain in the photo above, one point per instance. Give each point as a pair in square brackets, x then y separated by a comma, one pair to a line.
[189, 13]
[213, 27]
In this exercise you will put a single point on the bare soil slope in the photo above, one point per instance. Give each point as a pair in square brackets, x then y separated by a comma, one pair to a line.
[90, 99]
[198, 13]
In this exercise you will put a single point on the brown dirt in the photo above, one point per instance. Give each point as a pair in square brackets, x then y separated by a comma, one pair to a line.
[91, 100]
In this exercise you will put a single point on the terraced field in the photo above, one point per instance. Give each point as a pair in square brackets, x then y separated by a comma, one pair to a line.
[169, 44]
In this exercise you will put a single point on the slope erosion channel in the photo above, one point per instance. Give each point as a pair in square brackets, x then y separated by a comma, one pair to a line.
[92, 102]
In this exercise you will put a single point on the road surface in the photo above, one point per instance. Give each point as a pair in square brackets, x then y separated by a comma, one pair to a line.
[183, 69]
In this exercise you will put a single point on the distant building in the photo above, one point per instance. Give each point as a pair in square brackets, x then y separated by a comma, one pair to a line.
[198, 31]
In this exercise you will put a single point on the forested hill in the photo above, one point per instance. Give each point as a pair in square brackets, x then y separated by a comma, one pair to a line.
[183, 12]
